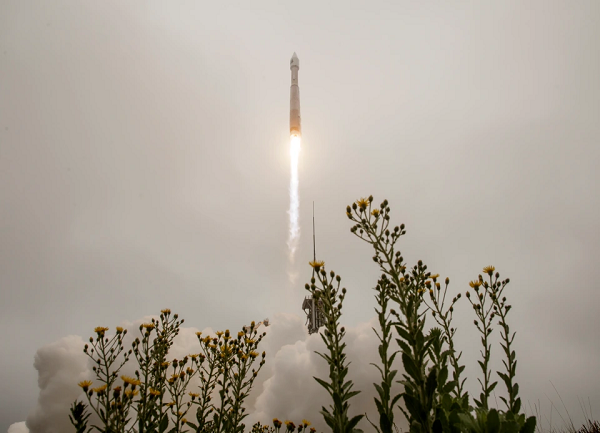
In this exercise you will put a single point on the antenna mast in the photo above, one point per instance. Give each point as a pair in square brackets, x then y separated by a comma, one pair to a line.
[314, 242]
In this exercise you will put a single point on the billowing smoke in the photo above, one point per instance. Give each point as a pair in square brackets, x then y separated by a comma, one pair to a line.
[285, 388]
[18, 427]
[294, 235]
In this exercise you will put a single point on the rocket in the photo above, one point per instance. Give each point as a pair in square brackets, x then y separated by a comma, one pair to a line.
[295, 98]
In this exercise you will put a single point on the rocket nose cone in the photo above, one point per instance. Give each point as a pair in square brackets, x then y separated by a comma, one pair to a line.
[294, 61]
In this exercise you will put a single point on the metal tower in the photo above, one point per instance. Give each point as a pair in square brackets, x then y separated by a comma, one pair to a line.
[313, 308]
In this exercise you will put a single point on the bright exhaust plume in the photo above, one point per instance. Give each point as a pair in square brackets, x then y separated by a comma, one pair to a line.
[294, 234]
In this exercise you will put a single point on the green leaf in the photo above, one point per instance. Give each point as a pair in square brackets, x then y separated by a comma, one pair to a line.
[493, 421]
[469, 422]
[352, 423]
[416, 427]
[510, 427]
[446, 401]
[164, 423]
[351, 394]
[385, 424]
[405, 347]
[395, 400]
[504, 377]
[413, 406]
[517, 406]
[443, 376]
[403, 333]
[431, 384]
[529, 426]
[448, 387]
[324, 384]
[411, 368]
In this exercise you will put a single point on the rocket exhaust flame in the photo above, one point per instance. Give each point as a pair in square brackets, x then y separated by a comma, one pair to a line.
[294, 235]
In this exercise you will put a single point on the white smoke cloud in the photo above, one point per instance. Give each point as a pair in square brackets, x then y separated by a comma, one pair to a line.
[284, 389]
[18, 427]
[60, 365]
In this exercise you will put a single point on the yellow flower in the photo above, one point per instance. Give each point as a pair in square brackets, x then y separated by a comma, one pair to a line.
[148, 326]
[317, 264]
[198, 333]
[362, 203]
[154, 391]
[100, 389]
[434, 277]
[130, 393]
[253, 354]
[489, 270]
[219, 333]
[375, 212]
[241, 334]
[306, 423]
[131, 380]
[85, 384]
[249, 341]
[475, 284]
[100, 330]
[166, 311]
[119, 330]
[194, 395]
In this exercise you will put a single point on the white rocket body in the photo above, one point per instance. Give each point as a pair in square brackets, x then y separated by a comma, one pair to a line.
[295, 98]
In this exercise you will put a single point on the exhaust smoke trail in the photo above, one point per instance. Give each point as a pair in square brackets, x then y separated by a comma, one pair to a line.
[294, 235]
[295, 139]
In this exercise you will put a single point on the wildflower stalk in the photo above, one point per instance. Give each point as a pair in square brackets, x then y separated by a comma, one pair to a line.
[176, 385]
[151, 355]
[338, 388]
[219, 418]
[241, 380]
[443, 317]
[495, 288]
[407, 288]
[79, 416]
[485, 314]
[105, 352]
[385, 403]
[208, 379]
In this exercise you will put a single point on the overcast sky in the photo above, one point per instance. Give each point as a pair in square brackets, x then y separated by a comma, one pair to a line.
[144, 164]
